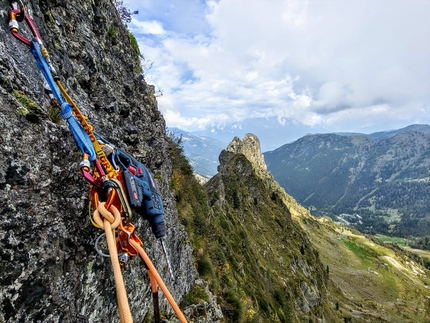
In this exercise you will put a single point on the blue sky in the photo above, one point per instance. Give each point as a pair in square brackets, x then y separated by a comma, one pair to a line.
[355, 65]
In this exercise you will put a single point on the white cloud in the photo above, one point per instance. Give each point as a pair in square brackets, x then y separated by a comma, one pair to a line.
[174, 119]
[152, 27]
[336, 63]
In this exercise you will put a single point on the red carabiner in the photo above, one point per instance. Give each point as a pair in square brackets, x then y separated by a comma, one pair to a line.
[17, 15]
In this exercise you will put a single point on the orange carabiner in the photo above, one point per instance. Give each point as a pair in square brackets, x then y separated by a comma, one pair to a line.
[111, 197]
[126, 233]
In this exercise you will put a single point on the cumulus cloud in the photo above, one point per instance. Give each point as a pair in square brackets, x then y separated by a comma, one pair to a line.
[152, 27]
[336, 63]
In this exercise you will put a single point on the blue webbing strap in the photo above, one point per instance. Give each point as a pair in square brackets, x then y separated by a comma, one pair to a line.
[35, 50]
[79, 134]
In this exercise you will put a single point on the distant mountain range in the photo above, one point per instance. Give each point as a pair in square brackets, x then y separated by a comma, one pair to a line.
[272, 132]
[202, 152]
[424, 128]
[383, 176]
[384, 173]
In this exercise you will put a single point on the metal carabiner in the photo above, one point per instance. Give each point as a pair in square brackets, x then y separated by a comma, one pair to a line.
[17, 15]
[96, 246]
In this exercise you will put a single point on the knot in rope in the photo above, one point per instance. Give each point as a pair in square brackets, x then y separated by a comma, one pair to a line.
[111, 220]
[112, 215]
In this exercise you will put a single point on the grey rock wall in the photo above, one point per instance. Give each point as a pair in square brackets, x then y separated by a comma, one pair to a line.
[49, 271]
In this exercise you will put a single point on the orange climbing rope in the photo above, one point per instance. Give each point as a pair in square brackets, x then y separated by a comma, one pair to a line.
[153, 275]
[109, 223]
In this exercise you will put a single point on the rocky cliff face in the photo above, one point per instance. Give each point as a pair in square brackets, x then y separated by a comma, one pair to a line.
[49, 271]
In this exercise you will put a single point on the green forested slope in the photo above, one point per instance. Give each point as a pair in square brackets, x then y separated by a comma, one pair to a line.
[334, 174]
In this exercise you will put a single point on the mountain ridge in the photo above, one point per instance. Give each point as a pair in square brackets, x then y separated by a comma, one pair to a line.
[202, 147]
[387, 174]
[274, 134]
[347, 180]
[292, 278]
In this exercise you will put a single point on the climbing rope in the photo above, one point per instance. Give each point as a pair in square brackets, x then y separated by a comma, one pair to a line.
[109, 223]
[153, 275]
[124, 183]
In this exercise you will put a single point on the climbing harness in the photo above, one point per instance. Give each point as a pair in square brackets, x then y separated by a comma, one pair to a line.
[119, 184]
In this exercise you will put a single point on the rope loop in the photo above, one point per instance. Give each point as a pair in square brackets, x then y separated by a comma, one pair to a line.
[113, 216]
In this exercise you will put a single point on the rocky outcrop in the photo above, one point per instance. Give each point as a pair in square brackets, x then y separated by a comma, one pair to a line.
[49, 271]
[274, 255]
[249, 146]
